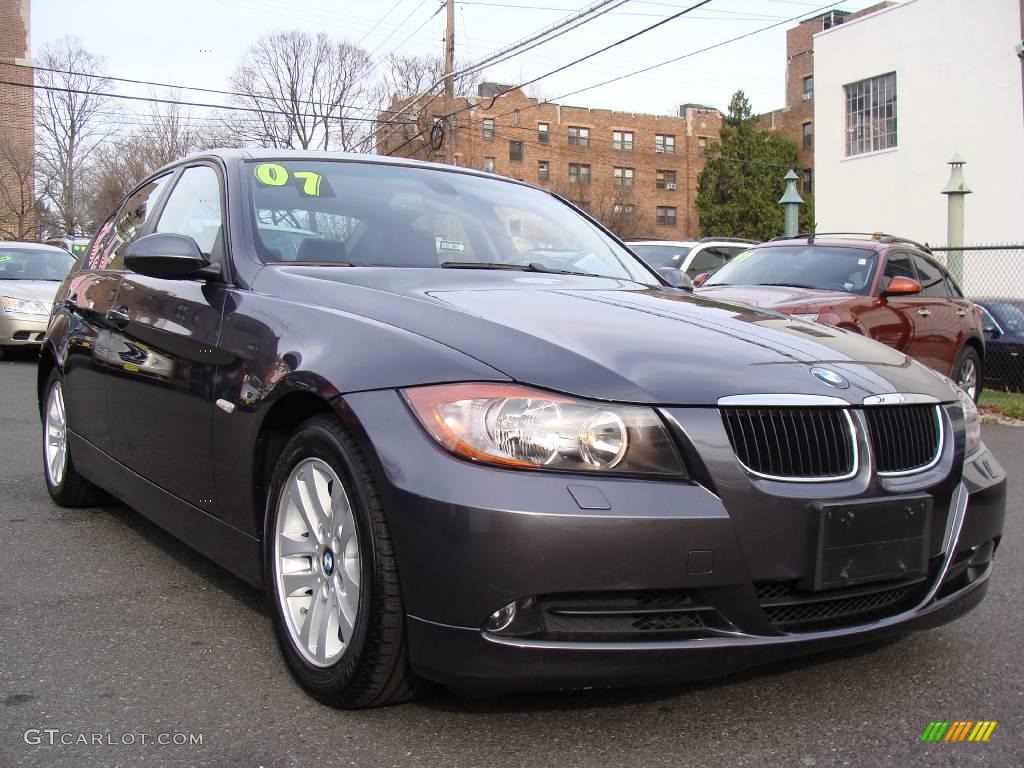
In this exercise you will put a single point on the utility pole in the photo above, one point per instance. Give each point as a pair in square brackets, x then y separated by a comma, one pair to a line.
[449, 85]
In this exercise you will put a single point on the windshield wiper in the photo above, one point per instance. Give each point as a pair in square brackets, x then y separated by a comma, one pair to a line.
[533, 266]
[793, 285]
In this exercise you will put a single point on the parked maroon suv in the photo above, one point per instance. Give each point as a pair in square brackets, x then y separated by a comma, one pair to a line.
[881, 286]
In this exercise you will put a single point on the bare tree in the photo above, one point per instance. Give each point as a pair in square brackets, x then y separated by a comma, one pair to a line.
[18, 202]
[165, 134]
[310, 93]
[69, 97]
[616, 207]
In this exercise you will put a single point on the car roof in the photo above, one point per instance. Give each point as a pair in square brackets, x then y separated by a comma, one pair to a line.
[231, 156]
[683, 243]
[843, 242]
[30, 246]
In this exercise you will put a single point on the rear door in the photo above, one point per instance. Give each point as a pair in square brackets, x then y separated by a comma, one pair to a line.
[161, 394]
[902, 322]
[949, 318]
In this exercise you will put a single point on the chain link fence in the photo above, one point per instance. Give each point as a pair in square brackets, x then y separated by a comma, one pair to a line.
[993, 277]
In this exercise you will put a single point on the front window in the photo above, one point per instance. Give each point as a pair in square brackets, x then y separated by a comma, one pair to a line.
[369, 214]
[665, 144]
[623, 177]
[579, 137]
[818, 267]
[871, 115]
[622, 140]
[34, 263]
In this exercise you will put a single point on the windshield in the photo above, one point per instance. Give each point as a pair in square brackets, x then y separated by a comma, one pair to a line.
[821, 267]
[369, 214]
[33, 264]
[1009, 314]
[661, 255]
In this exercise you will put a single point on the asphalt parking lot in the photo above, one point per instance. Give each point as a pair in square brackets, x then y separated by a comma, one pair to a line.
[109, 626]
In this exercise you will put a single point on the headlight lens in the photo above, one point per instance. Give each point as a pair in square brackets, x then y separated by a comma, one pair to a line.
[515, 426]
[25, 306]
[972, 421]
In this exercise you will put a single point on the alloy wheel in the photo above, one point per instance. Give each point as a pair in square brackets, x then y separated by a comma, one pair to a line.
[55, 445]
[967, 378]
[317, 562]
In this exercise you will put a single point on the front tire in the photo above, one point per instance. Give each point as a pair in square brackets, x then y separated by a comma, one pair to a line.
[66, 486]
[967, 372]
[330, 573]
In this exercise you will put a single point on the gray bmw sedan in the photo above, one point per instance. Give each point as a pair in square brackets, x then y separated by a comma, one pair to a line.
[458, 433]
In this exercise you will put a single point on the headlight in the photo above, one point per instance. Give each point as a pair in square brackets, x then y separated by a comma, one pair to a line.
[15, 306]
[515, 426]
[972, 421]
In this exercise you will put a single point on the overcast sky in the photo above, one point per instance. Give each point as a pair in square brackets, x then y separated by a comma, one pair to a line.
[167, 42]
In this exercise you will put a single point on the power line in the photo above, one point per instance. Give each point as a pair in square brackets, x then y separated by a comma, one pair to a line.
[573, 63]
[371, 30]
[153, 99]
[403, 23]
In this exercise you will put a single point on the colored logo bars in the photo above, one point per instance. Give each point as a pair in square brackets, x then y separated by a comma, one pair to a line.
[958, 730]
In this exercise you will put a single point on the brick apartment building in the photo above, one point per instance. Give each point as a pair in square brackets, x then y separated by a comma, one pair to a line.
[796, 120]
[16, 127]
[637, 174]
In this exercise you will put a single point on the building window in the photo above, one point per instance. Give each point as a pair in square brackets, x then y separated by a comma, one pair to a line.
[579, 173]
[702, 145]
[665, 144]
[515, 151]
[665, 216]
[808, 135]
[622, 209]
[871, 115]
[623, 177]
[488, 127]
[665, 180]
[808, 87]
[543, 132]
[622, 140]
[515, 118]
[543, 170]
[489, 164]
[808, 180]
[579, 137]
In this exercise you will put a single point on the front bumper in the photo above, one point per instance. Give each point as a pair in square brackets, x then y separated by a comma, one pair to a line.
[21, 330]
[470, 539]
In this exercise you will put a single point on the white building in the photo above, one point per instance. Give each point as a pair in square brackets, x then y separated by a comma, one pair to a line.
[896, 94]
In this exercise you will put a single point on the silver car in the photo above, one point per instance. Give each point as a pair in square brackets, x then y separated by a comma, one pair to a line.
[29, 277]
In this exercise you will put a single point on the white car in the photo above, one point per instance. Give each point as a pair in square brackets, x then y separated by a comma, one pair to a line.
[694, 257]
[30, 274]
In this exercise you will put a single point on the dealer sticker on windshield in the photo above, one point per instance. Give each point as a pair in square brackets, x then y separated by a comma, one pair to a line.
[451, 245]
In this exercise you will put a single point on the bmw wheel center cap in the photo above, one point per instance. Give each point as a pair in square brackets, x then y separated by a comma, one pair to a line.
[829, 377]
[328, 562]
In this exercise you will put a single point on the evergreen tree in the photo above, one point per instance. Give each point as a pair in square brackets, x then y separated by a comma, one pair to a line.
[739, 188]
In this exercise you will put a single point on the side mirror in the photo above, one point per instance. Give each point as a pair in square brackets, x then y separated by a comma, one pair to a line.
[700, 279]
[992, 332]
[676, 278]
[902, 286]
[169, 256]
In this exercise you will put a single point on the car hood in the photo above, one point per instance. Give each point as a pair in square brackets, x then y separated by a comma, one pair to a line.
[608, 339]
[38, 290]
[778, 297]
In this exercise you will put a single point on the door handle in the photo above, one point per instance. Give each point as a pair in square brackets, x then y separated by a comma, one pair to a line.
[924, 312]
[119, 316]
[961, 313]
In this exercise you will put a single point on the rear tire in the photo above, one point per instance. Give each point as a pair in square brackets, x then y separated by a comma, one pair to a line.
[967, 372]
[67, 488]
[331, 576]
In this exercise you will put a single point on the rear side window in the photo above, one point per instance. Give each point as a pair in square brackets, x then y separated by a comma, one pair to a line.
[108, 247]
[933, 281]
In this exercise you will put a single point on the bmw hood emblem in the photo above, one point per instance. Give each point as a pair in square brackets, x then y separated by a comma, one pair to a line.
[829, 377]
[328, 562]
